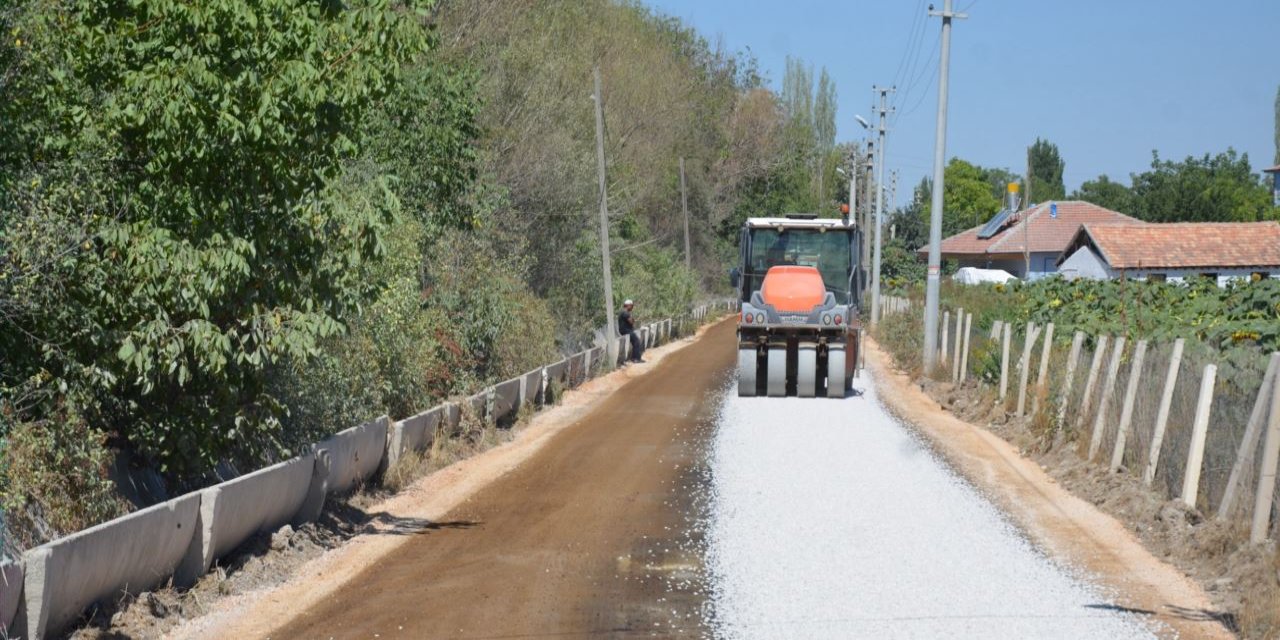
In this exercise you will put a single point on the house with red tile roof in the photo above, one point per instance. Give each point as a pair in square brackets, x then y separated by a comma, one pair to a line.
[1047, 228]
[1174, 251]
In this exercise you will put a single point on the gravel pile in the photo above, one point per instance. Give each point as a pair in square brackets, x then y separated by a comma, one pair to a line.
[829, 519]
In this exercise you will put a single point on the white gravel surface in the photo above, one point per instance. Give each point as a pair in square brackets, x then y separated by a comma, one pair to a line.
[828, 519]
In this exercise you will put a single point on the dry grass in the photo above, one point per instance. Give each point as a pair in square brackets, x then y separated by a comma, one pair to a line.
[1260, 615]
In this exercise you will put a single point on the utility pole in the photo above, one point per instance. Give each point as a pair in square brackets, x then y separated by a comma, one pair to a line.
[875, 267]
[684, 204]
[933, 281]
[870, 166]
[1026, 232]
[853, 187]
[611, 340]
[893, 188]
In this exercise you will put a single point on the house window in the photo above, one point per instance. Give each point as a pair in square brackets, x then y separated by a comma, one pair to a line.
[1259, 275]
[1212, 276]
[1158, 277]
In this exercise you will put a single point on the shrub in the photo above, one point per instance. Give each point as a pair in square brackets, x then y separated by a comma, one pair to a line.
[54, 479]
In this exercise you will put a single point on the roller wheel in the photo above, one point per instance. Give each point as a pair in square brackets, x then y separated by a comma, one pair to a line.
[777, 370]
[807, 372]
[746, 372]
[835, 374]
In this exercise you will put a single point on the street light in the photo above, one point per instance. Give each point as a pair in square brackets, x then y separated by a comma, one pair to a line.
[863, 121]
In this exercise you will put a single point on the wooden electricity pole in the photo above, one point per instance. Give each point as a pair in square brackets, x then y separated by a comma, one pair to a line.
[611, 340]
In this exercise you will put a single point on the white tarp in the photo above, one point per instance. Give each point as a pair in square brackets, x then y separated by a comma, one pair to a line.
[974, 275]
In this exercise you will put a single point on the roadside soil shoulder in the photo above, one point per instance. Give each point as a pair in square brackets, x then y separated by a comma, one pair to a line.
[526, 537]
[1069, 529]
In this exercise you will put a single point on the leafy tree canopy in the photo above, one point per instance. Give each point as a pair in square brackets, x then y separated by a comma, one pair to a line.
[1210, 188]
[1106, 193]
[1046, 166]
[195, 161]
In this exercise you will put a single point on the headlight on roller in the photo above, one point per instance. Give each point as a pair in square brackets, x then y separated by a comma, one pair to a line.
[826, 318]
[759, 318]
[838, 319]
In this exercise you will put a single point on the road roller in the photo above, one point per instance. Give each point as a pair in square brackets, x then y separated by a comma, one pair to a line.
[801, 284]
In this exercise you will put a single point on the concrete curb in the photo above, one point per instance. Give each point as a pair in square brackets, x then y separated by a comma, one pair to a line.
[412, 434]
[531, 387]
[506, 398]
[10, 594]
[355, 455]
[558, 371]
[235, 511]
[133, 553]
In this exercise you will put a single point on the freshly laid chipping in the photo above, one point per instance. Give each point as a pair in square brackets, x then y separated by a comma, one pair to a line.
[830, 520]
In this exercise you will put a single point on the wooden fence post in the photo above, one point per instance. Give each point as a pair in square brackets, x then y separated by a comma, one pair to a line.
[955, 358]
[1086, 401]
[1004, 362]
[1108, 387]
[995, 330]
[1199, 432]
[1077, 342]
[1045, 353]
[1249, 443]
[964, 357]
[1267, 477]
[1024, 365]
[1126, 414]
[946, 332]
[1162, 415]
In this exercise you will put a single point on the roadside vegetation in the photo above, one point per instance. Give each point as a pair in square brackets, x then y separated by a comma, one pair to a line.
[231, 230]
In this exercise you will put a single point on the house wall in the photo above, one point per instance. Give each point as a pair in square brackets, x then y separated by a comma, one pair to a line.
[1224, 275]
[1042, 264]
[1084, 263]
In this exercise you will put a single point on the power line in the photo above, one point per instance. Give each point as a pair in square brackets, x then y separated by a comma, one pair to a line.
[914, 39]
[932, 67]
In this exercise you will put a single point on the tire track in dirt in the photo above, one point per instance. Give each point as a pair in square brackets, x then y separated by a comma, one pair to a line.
[590, 536]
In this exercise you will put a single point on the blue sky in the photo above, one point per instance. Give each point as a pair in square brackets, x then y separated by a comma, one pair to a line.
[1108, 81]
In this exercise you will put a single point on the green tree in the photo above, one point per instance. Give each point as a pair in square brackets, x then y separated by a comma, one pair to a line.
[999, 180]
[1106, 193]
[968, 200]
[1046, 167]
[203, 154]
[1217, 188]
[1277, 126]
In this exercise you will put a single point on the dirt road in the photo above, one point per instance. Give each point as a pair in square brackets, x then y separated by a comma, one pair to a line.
[586, 538]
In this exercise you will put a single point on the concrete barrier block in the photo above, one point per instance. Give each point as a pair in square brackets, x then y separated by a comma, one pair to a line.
[531, 387]
[412, 434]
[355, 454]
[313, 505]
[451, 417]
[530, 384]
[558, 371]
[577, 370]
[133, 553]
[506, 398]
[596, 356]
[10, 596]
[236, 510]
[478, 403]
